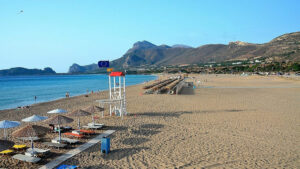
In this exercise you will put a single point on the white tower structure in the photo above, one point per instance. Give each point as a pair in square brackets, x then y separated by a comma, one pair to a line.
[117, 93]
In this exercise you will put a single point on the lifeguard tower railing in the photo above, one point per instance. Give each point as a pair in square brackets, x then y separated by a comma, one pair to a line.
[117, 94]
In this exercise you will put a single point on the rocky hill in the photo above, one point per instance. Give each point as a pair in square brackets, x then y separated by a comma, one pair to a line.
[143, 53]
[18, 71]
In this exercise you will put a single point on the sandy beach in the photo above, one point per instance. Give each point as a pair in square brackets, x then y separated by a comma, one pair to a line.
[227, 121]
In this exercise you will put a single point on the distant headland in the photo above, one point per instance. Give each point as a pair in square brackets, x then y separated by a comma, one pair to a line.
[19, 71]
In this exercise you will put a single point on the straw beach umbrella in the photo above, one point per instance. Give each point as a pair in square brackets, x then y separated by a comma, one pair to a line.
[34, 118]
[5, 124]
[31, 131]
[5, 144]
[93, 109]
[78, 113]
[58, 120]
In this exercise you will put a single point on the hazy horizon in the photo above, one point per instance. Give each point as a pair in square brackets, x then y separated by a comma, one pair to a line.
[56, 34]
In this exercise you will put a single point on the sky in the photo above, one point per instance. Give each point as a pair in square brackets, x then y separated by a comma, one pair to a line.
[58, 33]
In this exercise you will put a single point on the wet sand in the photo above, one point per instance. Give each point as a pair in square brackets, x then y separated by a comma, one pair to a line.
[228, 121]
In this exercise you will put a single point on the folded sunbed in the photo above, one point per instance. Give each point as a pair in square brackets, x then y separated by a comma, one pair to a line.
[57, 145]
[22, 157]
[64, 139]
[74, 135]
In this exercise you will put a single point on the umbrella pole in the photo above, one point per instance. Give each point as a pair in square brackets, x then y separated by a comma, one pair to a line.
[5, 133]
[93, 120]
[59, 134]
[78, 123]
[32, 151]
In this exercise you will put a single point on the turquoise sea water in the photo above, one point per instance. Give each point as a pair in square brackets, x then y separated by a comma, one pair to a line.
[20, 90]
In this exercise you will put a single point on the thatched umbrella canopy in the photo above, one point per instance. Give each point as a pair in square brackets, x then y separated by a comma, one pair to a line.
[31, 131]
[5, 144]
[94, 109]
[78, 113]
[58, 120]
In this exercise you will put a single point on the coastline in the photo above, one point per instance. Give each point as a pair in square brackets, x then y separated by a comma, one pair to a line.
[201, 128]
[76, 95]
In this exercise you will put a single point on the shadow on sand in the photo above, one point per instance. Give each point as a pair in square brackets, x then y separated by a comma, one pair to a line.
[152, 126]
[187, 91]
[161, 114]
[118, 154]
[143, 132]
[135, 141]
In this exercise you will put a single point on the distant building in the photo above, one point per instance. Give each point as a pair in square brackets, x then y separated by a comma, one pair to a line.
[237, 63]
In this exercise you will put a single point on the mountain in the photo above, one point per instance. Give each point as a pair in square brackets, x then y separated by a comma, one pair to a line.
[181, 46]
[143, 53]
[18, 71]
[75, 68]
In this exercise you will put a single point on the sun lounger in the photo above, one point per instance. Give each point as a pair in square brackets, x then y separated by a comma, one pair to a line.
[7, 152]
[74, 135]
[95, 124]
[87, 131]
[92, 127]
[19, 147]
[22, 157]
[66, 140]
[57, 145]
[36, 151]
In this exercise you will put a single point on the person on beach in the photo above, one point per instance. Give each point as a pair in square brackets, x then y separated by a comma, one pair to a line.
[67, 95]
[35, 98]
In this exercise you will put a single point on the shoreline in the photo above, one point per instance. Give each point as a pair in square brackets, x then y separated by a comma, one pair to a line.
[57, 99]
[200, 128]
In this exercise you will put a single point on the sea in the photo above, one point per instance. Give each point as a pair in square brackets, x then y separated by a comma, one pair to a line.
[18, 91]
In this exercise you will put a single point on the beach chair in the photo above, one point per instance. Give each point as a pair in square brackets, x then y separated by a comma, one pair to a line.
[36, 152]
[56, 145]
[66, 140]
[74, 135]
[26, 158]
[7, 152]
[19, 147]
[94, 126]
[89, 132]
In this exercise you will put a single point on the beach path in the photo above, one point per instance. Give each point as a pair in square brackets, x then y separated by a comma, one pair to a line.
[79, 149]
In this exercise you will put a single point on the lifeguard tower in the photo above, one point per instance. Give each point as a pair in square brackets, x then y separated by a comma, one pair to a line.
[117, 94]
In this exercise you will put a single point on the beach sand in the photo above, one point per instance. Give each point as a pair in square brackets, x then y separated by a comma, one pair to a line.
[228, 121]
